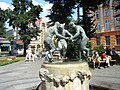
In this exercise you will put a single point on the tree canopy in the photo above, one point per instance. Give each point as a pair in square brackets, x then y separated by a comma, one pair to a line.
[23, 18]
[3, 19]
[62, 11]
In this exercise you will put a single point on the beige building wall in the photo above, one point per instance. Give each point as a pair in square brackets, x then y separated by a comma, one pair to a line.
[42, 24]
[113, 30]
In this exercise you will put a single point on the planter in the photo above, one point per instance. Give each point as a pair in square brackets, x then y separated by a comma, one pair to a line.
[13, 57]
[4, 60]
[9, 59]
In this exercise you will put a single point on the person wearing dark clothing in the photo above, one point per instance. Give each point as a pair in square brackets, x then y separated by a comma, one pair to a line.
[113, 53]
[108, 51]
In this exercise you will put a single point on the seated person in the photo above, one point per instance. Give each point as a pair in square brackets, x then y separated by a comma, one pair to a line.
[95, 60]
[107, 61]
[106, 58]
[103, 55]
[28, 54]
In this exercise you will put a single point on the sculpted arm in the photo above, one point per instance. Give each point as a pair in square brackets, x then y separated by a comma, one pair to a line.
[59, 35]
[77, 34]
[83, 32]
[68, 33]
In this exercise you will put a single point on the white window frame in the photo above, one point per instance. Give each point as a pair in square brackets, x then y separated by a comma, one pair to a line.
[117, 22]
[107, 24]
[118, 39]
[107, 38]
[106, 12]
[98, 40]
[98, 14]
[98, 26]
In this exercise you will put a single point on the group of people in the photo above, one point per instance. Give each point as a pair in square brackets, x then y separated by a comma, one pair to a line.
[106, 56]
[58, 31]
[111, 52]
[32, 54]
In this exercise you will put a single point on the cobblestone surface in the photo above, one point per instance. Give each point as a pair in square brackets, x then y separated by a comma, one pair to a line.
[20, 75]
[106, 77]
[23, 75]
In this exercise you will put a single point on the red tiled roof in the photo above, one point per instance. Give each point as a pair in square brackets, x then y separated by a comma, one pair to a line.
[19, 41]
[38, 21]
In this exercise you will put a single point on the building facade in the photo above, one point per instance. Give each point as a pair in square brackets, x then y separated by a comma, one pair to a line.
[34, 43]
[42, 24]
[4, 46]
[108, 25]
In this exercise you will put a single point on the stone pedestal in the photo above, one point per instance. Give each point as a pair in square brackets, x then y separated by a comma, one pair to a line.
[65, 76]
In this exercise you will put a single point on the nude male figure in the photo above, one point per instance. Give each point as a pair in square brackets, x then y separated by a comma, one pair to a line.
[49, 42]
[62, 44]
[80, 37]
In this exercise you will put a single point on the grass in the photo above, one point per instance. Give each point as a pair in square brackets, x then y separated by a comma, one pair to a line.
[4, 60]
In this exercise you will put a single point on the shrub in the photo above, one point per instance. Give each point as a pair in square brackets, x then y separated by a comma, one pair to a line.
[100, 49]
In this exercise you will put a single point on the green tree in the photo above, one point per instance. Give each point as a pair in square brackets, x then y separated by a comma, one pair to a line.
[10, 38]
[61, 10]
[22, 16]
[89, 7]
[100, 49]
[3, 19]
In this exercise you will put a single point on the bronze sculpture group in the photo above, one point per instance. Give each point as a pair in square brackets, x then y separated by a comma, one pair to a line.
[58, 31]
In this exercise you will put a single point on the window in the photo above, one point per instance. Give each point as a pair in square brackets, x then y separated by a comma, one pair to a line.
[97, 14]
[117, 10]
[98, 40]
[117, 39]
[118, 22]
[116, 1]
[98, 26]
[107, 24]
[107, 38]
[107, 2]
[43, 24]
[106, 12]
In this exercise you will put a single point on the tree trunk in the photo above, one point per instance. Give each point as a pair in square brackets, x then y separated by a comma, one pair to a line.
[84, 16]
[78, 12]
[25, 48]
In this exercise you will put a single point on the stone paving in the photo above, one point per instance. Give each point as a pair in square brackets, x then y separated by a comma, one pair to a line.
[20, 75]
[23, 75]
[106, 77]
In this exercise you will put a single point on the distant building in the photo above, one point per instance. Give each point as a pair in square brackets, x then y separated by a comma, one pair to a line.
[5, 46]
[17, 47]
[108, 25]
[42, 24]
[34, 43]
[13, 33]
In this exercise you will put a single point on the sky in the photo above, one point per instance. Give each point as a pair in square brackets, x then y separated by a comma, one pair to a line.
[4, 4]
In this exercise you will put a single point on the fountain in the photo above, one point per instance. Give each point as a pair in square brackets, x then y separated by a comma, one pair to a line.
[71, 75]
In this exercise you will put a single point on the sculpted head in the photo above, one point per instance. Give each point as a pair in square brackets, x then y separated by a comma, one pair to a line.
[57, 24]
[71, 24]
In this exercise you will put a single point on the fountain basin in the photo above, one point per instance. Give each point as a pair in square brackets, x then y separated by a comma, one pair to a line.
[65, 76]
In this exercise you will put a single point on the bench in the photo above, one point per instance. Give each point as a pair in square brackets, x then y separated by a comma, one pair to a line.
[112, 62]
[56, 55]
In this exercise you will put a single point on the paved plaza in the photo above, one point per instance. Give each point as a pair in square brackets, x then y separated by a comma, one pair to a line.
[23, 75]
[20, 75]
[106, 77]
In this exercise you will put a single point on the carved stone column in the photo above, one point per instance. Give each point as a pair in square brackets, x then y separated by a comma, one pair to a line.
[65, 76]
